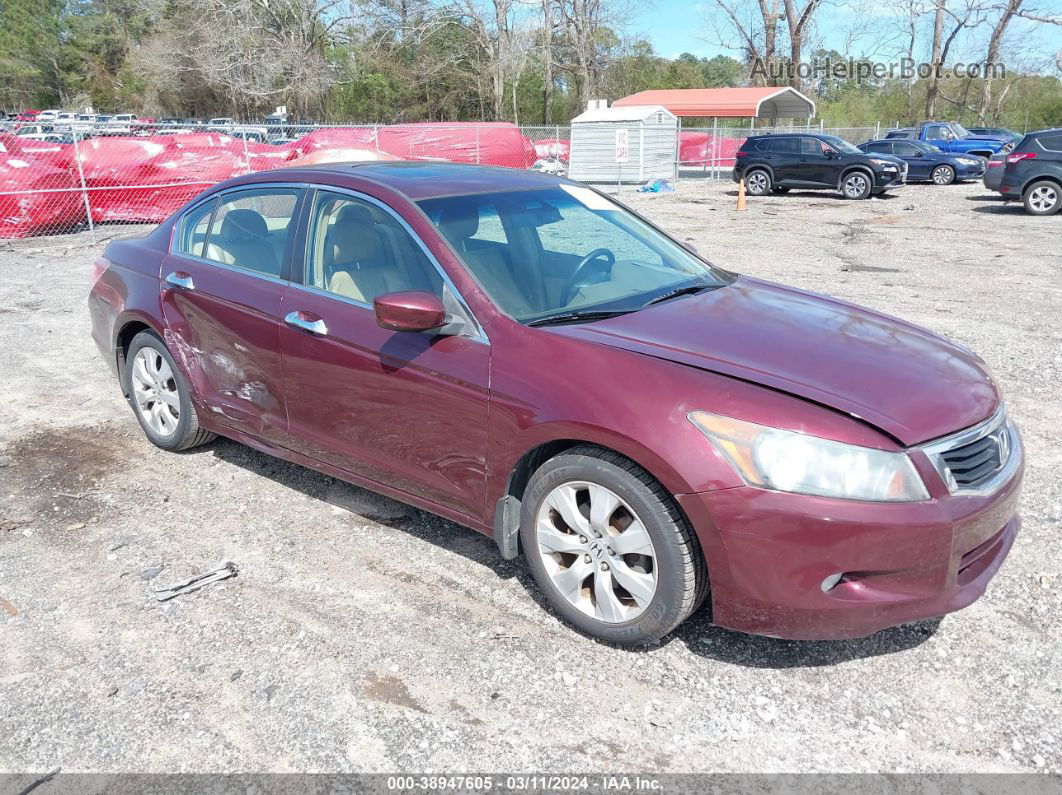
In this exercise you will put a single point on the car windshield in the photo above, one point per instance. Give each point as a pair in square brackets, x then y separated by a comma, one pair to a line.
[842, 145]
[960, 131]
[563, 251]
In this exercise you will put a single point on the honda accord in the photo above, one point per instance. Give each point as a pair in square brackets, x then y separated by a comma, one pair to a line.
[529, 358]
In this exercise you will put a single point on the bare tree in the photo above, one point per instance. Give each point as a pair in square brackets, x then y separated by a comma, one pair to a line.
[756, 23]
[798, 19]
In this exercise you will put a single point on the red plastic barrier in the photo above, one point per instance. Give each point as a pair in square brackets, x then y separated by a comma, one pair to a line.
[495, 143]
[696, 149]
[146, 179]
[57, 206]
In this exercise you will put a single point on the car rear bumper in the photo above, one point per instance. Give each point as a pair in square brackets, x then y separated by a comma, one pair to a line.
[769, 553]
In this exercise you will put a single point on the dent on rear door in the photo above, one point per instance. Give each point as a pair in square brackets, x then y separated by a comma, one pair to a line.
[224, 335]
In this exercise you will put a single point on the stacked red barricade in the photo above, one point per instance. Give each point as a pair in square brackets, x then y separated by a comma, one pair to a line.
[146, 178]
[35, 195]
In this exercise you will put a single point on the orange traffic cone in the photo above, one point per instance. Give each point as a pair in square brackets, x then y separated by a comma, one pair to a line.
[741, 194]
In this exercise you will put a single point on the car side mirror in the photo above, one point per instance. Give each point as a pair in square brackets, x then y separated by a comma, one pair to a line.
[411, 310]
[830, 154]
[919, 153]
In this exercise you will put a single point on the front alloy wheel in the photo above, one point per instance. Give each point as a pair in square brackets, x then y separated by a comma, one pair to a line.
[609, 547]
[943, 175]
[596, 551]
[1043, 198]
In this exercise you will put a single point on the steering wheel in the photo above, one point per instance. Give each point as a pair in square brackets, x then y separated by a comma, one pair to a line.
[580, 272]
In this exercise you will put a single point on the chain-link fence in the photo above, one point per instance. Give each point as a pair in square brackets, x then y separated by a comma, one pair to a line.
[64, 176]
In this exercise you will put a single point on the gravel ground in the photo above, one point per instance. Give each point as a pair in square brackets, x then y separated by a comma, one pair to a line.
[364, 635]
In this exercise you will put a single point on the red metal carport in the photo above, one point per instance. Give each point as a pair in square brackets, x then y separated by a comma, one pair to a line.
[711, 148]
[770, 103]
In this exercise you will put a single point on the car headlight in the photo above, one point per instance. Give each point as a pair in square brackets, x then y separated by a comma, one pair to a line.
[886, 164]
[804, 464]
[969, 161]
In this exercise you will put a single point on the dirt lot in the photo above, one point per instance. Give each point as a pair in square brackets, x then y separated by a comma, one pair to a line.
[363, 635]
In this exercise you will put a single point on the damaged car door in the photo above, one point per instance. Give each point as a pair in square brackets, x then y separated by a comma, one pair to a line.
[222, 286]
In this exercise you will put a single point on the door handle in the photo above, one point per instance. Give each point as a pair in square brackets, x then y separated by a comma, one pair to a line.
[307, 322]
[180, 279]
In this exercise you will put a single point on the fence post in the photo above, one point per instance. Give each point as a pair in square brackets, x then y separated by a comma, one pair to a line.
[877, 129]
[246, 154]
[84, 188]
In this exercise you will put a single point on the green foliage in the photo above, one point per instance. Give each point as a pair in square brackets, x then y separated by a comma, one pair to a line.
[399, 60]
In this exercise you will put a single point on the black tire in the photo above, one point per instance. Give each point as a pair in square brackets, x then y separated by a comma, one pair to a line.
[1043, 197]
[942, 174]
[682, 577]
[758, 182]
[186, 432]
[857, 185]
[777, 189]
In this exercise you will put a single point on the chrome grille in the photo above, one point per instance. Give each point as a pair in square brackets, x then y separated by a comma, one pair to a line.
[978, 459]
[973, 463]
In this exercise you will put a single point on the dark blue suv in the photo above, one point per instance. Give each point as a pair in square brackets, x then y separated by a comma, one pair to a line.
[776, 163]
[1033, 172]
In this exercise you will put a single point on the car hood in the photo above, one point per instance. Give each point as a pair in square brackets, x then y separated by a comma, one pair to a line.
[983, 138]
[903, 379]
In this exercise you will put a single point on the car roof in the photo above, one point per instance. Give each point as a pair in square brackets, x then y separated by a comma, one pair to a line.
[427, 179]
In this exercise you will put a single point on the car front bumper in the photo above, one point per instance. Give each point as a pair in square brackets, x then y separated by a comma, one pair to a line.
[971, 171]
[770, 552]
[889, 179]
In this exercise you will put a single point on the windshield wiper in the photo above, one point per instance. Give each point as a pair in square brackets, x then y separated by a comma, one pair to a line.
[575, 317]
[688, 290]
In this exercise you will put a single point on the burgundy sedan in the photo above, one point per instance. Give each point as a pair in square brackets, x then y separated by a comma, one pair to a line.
[526, 357]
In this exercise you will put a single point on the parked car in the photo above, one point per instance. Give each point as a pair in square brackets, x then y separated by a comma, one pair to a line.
[995, 166]
[121, 123]
[35, 132]
[1033, 172]
[47, 115]
[523, 355]
[28, 115]
[1005, 135]
[950, 137]
[926, 163]
[780, 162]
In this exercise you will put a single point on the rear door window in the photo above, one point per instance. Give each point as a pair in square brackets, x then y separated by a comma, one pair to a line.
[250, 229]
[785, 145]
[883, 147]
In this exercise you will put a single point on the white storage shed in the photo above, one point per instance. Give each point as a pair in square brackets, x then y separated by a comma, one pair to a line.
[652, 144]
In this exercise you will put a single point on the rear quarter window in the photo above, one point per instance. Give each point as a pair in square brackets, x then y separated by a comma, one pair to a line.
[1052, 142]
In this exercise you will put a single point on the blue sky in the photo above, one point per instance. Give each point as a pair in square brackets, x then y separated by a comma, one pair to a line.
[677, 26]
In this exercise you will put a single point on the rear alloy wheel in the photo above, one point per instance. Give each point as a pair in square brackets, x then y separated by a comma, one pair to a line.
[610, 548]
[1043, 198]
[943, 175]
[856, 185]
[758, 182]
[159, 395]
